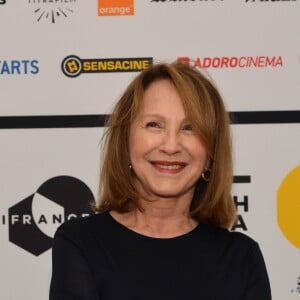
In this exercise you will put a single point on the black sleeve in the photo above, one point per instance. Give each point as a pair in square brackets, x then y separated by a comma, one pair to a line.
[258, 285]
[71, 276]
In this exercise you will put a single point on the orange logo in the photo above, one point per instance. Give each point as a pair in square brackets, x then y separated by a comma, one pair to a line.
[115, 7]
[288, 207]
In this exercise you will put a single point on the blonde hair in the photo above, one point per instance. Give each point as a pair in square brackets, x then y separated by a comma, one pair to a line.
[212, 202]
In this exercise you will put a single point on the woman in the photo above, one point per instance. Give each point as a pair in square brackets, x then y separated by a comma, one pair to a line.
[165, 203]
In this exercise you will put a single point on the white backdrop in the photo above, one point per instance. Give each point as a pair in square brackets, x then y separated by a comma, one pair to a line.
[36, 36]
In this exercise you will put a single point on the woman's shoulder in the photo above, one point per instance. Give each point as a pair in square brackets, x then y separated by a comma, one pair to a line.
[229, 238]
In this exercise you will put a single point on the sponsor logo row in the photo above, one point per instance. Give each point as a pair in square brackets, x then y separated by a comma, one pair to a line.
[73, 66]
[33, 220]
[52, 10]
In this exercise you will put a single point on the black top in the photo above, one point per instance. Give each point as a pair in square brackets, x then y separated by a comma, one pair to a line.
[98, 258]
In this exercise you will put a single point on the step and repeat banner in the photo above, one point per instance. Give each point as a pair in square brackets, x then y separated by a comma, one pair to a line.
[63, 65]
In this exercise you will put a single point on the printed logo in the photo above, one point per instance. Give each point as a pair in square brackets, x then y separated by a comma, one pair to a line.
[288, 207]
[52, 9]
[33, 221]
[19, 67]
[115, 7]
[185, 0]
[241, 200]
[297, 289]
[73, 66]
[233, 62]
[2, 2]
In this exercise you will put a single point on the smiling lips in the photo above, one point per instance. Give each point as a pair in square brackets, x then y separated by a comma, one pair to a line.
[170, 167]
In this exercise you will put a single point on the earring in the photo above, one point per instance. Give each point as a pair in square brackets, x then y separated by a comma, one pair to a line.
[206, 175]
[130, 166]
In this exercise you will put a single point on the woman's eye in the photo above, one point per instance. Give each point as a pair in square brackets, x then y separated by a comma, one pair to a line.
[153, 125]
[187, 127]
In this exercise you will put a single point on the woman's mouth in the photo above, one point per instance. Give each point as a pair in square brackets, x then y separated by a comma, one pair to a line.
[168, 166]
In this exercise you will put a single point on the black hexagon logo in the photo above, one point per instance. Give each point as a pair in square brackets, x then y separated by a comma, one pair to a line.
[33, 221]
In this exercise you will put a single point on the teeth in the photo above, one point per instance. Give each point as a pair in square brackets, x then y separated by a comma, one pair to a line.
[172, 167]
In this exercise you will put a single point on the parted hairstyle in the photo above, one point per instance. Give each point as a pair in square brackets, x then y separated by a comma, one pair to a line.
[212, 201]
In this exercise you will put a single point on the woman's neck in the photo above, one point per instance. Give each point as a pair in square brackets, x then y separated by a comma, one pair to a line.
[158, 219]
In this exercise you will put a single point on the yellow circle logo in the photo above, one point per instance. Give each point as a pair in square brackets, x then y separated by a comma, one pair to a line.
[288, 207]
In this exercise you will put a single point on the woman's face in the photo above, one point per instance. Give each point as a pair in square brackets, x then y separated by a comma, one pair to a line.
[167, 157]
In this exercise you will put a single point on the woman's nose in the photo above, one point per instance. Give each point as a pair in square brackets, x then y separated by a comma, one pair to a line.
[170, 142]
